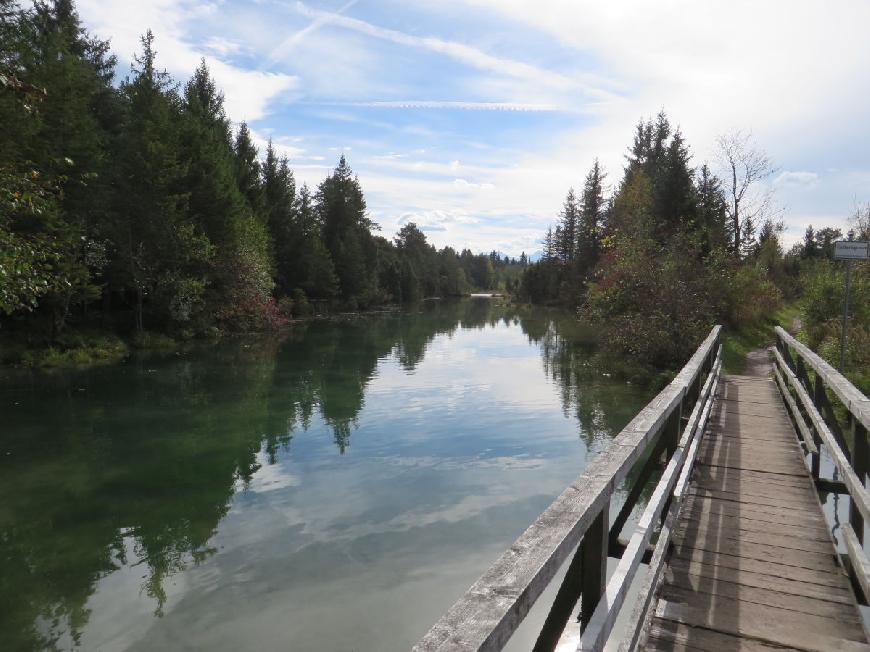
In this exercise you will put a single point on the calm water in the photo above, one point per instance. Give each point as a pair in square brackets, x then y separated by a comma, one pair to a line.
[334, 489]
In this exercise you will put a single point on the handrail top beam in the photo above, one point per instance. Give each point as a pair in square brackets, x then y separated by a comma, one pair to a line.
[849, 395]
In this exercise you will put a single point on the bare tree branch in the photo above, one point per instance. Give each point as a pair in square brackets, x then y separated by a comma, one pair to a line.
[745, 168]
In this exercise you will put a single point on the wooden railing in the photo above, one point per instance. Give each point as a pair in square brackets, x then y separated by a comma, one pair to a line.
[579, 521]
[833, 418]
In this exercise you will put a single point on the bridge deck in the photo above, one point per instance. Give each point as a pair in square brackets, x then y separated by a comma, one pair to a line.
[753, 564]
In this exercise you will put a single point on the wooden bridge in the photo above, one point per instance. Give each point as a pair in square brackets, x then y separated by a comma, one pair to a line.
[743, 558]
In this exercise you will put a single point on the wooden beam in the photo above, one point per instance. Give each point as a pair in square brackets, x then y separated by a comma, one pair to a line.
[858, 563]
[854, 401]
[803, 429]
[857, 492]
[601, 625]
[641, 614]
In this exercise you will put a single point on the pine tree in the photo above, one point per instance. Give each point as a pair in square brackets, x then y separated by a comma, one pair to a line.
[810, 249]
[242, 271]
[319, 278]
[592, 219]
[712, 216]
[159, 250]
[248, 174]
[346, 230]
[566, 244]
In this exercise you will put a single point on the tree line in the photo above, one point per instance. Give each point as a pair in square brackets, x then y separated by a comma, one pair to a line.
[670, 251]
[139, 207]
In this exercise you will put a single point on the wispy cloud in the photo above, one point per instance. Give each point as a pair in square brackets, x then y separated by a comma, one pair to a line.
[463, 53]
[319, 20]
[456, 104]
[798, 178]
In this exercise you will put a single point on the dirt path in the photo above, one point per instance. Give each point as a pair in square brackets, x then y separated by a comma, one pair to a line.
[758, 363]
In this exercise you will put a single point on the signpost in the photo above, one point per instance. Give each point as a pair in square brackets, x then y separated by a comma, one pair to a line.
[849, 250]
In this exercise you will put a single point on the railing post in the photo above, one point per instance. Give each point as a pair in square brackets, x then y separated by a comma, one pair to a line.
[859, 465]
[823, 405]
[593, 563]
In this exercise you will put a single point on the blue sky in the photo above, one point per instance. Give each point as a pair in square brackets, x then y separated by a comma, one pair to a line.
[473, 117]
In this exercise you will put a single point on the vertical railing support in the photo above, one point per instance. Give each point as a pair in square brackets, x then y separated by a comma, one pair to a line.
[859, 465]
[593, 563]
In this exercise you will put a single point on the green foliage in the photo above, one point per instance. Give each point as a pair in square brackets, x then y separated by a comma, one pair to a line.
[650, 270]
[823, 284]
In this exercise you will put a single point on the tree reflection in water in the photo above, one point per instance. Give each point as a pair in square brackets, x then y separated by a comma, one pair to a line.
[135, 465]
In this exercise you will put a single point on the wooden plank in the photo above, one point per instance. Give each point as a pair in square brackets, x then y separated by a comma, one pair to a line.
[810, 530]
[769, 624]
[774, 499]
[670, 636]
[700, 505]
[687, 532]
[830, 576]
[753, 476]
[677, 569]
[758, 552]
[714, 592]
[753, 486]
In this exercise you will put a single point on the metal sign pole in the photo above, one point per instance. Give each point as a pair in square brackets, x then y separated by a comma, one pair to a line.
[845, 314]
[848, 250]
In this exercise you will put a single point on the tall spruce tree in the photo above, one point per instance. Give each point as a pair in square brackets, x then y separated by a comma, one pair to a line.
[593, 218]
[566, 243]
[241, 277]
[159, 250]
[346, 231]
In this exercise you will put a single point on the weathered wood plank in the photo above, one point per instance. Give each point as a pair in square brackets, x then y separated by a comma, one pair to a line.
[769, 624]
[707, 590]
[670, 636]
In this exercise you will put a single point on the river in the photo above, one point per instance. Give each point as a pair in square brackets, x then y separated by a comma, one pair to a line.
[336, 487]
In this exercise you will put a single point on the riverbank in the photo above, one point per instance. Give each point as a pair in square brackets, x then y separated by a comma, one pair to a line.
[96, 346]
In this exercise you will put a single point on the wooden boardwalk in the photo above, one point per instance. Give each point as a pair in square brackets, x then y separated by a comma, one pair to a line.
[753, 564]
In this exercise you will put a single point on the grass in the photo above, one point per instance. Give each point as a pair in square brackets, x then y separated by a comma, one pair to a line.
[736, 344]
[79, 350]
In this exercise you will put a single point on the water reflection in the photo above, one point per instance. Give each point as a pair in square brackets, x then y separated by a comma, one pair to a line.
[121, 485]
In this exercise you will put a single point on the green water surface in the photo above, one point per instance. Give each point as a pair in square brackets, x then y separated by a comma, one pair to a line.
[335, 487]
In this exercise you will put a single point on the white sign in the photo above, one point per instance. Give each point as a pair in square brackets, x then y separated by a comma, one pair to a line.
[852, 250]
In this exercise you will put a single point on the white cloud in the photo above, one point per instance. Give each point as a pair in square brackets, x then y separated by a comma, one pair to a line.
[467, 185]
[248, 93]
[465, 54]
[468, 106]
[797, 178]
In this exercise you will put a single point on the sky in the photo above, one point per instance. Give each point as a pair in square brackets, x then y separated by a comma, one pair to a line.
[472, 118]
